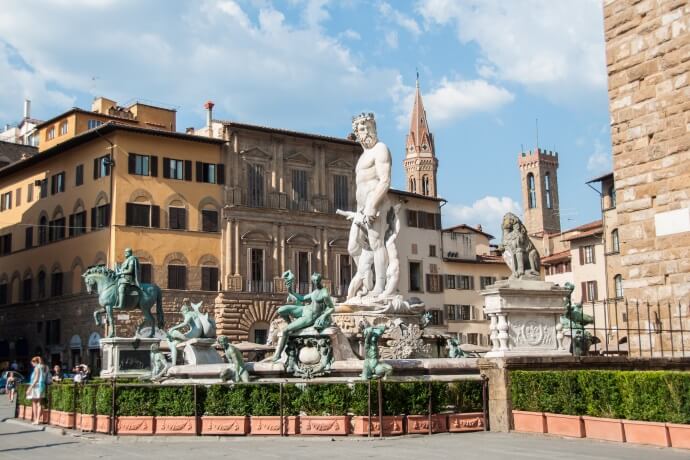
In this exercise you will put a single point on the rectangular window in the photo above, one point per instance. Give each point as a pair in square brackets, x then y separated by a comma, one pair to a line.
[450, 281]
[100, 216]
[340, 195]
[464, 282]
[177, 169]
[30, 193]
[5, 244]
[434, 283]
[451, 312]
[18, 197]
[77, 224]
[345, 272]
[303, 271]
[56, 229]
[6, 201]
[209, 220]
[473, 338]
[466, 312]
[300, 190]
[421, 219]
[27, 285]
[101, 166]
[50, 133]
[53, 332]
[178, 218]
[436, 317]
[91, 124]
[485, 281]
[139, 165]
[587, 255]
[261, 336]
[146, 272]
[56, 283]
[589, 291]
[415, 277]
[255, 182]
[138, 215]
[209, 278]
[63, 128]
[256, 268]
[29, 237]
[432, 250]
[414, 248]
[210, 173]
[79, 176]
[177, 277]
[3, 294]
[57, 183]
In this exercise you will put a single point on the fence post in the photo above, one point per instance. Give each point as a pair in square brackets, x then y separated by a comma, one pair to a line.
[369, 406]
[282, 418]
[430, 390]
[95, 409]
[380, 398]
[682, 338]
[485, 402]
[196, 412]
[113, 388]
[74, 404]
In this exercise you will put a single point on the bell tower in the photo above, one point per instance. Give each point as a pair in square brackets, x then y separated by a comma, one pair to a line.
[420, 158]
[539, 184]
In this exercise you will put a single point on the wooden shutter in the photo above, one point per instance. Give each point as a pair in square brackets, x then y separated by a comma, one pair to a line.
[205, 275]
[153, 165]
[106, 210]
[438, 221]
[199, 171]
[166, 168]
[96, 170]
[182, 218]
[182, 278]
[155, 216]
[220, 171]
[584, 290]
[596, 294]
[582, 255]
[593, 254]
[471, 282]
[129, 213]
[93, 218]
[131, 163]
[188, 170]
[71, 225]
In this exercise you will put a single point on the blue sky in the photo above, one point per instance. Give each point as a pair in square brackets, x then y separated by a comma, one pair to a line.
[488, 69]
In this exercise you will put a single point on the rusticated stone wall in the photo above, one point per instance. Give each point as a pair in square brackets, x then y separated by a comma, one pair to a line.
[648, 59]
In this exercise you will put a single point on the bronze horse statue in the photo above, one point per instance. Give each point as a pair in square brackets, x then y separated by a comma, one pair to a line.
[103, 281]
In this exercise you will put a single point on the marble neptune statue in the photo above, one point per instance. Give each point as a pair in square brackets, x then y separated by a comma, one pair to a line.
[375, 223]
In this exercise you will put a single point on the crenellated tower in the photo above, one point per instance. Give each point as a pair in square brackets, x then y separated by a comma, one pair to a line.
[420, 158]
[539, 184]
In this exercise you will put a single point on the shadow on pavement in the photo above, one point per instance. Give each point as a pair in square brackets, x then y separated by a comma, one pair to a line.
[38, 447]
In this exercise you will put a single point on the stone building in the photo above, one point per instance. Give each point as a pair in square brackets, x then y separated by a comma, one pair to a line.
[420, 161]
[24, 133]
[647, 45]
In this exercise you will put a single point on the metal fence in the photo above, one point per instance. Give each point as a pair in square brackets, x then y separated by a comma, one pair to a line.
[637, 328]
[373, 387]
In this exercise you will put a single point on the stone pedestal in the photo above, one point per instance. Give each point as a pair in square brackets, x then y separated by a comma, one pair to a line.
[126, 357]
[525, 318]
[200, 351]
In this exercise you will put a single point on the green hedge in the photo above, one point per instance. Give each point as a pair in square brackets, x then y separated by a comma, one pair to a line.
[21, 394]
[655, 396]
[258, 400]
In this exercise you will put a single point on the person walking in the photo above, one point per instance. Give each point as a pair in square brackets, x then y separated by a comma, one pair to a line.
[37, 389]
[11, 386]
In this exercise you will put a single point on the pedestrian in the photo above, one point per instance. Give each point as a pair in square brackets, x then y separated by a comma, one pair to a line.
[57, 374]
[11, 386]
[37, 389]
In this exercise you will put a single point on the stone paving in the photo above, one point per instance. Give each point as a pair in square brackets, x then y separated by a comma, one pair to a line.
[20, 440]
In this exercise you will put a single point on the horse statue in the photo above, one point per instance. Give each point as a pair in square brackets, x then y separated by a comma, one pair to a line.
[103, 281]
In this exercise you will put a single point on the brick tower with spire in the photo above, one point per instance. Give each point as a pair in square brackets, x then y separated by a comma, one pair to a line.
[420, 158]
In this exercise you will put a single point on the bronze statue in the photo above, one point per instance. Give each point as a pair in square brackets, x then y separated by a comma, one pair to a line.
[454, 350]
[159, 365]
[236, 371]
[574, 322]
[518, 250]
[301, 315]
[127, 277]
[372, 368]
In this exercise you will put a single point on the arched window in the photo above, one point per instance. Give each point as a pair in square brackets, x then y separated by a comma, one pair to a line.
[425, 185]
[547, 190]
[413, 185]
[618, 286]
[41, 284]
[531, 192]
[615, 242]
[43, 230]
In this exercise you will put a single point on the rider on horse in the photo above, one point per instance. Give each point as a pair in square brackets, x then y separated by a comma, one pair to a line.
[127, 275]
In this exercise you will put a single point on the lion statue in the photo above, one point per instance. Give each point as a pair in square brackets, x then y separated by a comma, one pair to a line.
[518, 250]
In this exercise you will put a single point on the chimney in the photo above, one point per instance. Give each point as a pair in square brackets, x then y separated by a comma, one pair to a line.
[27, 108]
[209, 117]
[479, 227]
[189, 130]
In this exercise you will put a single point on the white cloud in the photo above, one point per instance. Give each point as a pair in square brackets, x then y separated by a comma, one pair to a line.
[392, 15]
[450, 99]
[351, 34]
[391, 37]
[599, 162]
[487, 211]
[545, 45]
[254, 63]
